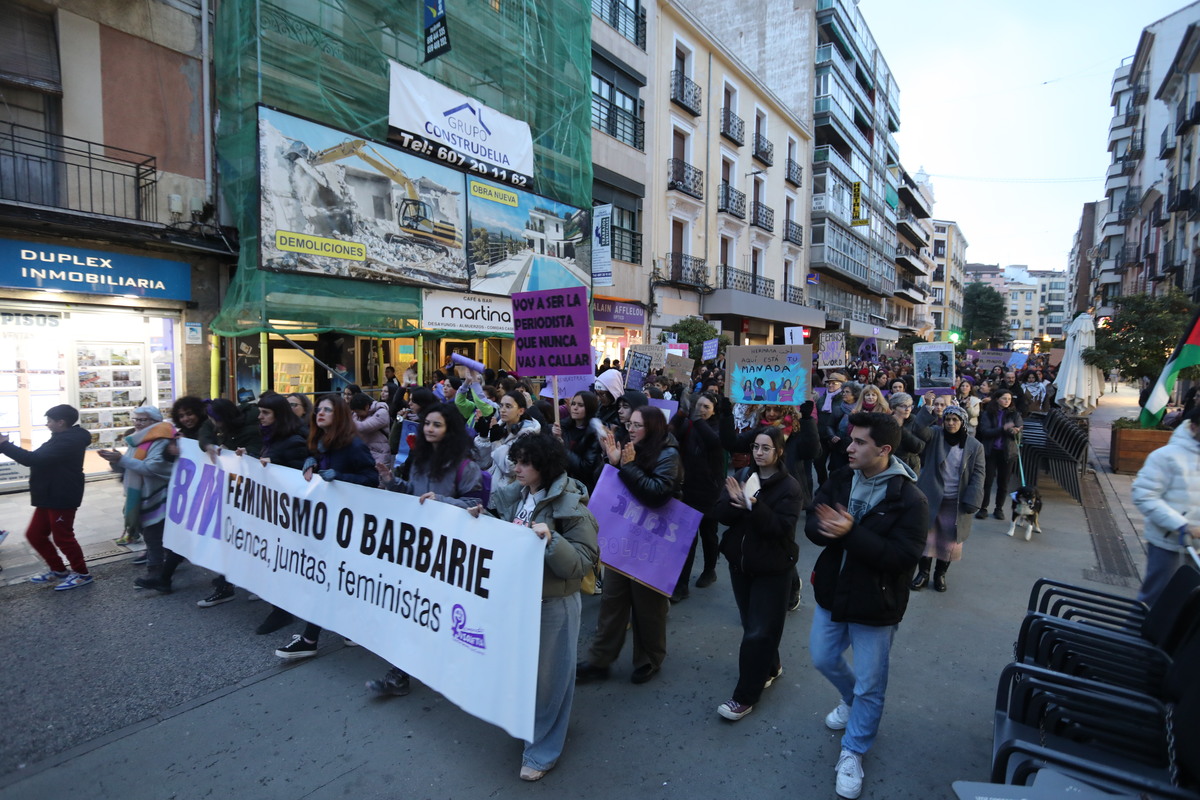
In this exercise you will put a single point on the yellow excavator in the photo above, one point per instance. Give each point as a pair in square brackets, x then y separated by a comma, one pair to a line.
[412, 213]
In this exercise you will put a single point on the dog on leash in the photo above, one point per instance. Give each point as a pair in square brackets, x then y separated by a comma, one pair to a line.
[1026, 505]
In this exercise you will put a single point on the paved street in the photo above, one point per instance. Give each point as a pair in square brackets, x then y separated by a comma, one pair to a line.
[117, 693]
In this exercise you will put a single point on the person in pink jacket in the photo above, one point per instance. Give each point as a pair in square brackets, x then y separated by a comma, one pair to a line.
[372, 421]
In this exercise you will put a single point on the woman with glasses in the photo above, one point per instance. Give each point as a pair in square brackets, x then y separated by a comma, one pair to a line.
[651, 469]
[761, 505]
[336, 454]
[302, 407]
[580, 436]
[507, 424]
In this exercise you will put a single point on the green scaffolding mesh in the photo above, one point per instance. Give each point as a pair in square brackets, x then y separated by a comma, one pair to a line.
[328, 60]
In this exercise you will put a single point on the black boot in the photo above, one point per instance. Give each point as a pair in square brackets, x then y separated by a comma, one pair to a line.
[939, 575]
[277, 619]
[919, 582]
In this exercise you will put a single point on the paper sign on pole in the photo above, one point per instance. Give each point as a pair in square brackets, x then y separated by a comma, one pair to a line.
[933, 366]
[453, 600]
[551, 332]
[769, 374]
[831, 352]
[647, 544]
[568, 385]
[794, 335]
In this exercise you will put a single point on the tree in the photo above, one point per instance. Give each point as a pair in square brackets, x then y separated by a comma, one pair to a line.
[1141, 336]
[694, 332]
[983, 313]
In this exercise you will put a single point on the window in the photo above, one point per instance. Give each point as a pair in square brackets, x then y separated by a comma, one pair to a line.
[1029, 295]
[626, 236]
[616, 113]
[939, 228]
[939, 248]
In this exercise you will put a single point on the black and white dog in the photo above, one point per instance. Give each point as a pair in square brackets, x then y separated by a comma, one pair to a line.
[1026, 505]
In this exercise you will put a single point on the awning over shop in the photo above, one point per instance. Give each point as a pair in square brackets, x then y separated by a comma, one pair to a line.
[867, 330]
[270, 302]
[434, 333]
[743, 304]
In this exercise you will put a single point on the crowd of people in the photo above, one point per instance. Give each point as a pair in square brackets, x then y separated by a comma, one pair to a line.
[886, 482]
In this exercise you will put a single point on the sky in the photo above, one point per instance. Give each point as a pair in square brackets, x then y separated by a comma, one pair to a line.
[1006, 104]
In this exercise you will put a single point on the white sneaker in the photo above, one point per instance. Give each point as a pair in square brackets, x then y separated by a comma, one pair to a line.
[849, 775]
[836, 720]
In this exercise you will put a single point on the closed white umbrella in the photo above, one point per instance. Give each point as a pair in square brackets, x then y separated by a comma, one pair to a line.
[1079, 386]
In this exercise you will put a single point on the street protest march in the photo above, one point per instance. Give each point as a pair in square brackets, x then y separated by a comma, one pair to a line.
[647, 544]
[769, 374]
[451, 599]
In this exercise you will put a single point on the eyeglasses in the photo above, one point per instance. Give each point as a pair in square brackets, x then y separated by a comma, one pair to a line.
[296, 405]
[634, 426]
[762, 448]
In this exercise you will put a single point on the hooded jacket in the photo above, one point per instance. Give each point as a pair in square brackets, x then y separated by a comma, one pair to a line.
[610, 381]
[572, 550]
[55, 468]
[863, 577]
[1167, 488]
[374, 431]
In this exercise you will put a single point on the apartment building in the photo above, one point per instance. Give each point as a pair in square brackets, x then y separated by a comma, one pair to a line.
[835, 69]
[1021, 296]
[111, 262]
[949, 277]
[1134, 248]
[1180, 148]
[1052, 308]
[990, 274]
[728, 191]
[908, 308]
[1081, 261]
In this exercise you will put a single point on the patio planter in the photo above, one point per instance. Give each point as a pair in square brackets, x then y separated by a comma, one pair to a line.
[1129, 447]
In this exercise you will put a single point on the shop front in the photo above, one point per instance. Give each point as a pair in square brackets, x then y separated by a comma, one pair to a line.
[617, 325]
[100, 330]
[475, 325]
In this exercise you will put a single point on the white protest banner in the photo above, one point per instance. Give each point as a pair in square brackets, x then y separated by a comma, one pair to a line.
[933, 366]
[453, 600]
[657, 353]
[831, 351]
[769, 374]
[568, 385]
[992, 358]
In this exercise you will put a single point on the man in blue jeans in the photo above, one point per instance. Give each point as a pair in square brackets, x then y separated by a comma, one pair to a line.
[871, 520]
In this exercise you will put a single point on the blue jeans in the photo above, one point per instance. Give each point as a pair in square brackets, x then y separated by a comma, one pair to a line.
[1161, 564]
[556, 681]
[862, 686]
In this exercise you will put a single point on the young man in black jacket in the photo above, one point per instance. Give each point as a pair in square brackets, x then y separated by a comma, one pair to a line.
[871, 520]
[56, 492]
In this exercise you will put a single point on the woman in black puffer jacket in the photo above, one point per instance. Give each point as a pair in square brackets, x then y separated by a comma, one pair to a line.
[579, 434]
[700, 444]
[760, 545]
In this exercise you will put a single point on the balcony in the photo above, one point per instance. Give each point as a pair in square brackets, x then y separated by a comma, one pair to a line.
[742, 281]
[618, 123]
[685, 178]
[762, 216]
[685, 93]
[1187, 114]
[687, 270]
[912, 226]
[911, 290]
[793, 294]
[1194, 210]
[794, 174]
[764, 151]
[1166, 144]
[1178, 199]
[43, 169]
[1141, 91]
[1137, 148]
[627, 22]
[793, 232]
[733, 127]
[626, 245]
[731, 201]
[826, 155]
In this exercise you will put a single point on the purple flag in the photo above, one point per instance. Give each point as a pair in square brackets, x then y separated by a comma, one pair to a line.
[647, 544]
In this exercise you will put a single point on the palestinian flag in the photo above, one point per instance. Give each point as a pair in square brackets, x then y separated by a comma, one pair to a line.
[1187, 354]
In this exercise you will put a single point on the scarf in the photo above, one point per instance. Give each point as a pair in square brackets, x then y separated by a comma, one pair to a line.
[955, 439]
[140, 512]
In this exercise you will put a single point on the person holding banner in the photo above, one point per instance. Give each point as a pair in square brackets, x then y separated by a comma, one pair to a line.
[650, 467]
[761, 505]
[441, 467]
[507, 425]
[553, 505]
[336, 454]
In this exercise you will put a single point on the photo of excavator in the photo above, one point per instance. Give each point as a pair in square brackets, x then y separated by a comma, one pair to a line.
[413, 215]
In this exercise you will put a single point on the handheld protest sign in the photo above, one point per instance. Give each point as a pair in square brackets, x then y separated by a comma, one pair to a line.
[933, 366]
[831, 351]
[779, 374]
[551, 332]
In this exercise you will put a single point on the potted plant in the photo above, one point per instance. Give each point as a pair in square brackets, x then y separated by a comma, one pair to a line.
[1131, 443]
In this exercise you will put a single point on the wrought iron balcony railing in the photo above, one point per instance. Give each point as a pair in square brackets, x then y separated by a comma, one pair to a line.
[793, 294]
[733, 127]
[762, 216]
[685, 178]
[731, 201]
[627, 22]
[1166, 143]
[764, 151]
[794, 174]
[741, 281]
[45, 169]
[684, 268]
[685, 92]
[626, 245]
[793, 232]
[610, 118]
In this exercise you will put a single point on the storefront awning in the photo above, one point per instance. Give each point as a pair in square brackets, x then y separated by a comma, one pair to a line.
[743, 304]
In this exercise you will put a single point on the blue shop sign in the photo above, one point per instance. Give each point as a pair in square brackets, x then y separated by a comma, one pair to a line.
[33, 265]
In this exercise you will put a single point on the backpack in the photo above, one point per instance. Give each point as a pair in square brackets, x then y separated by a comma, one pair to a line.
[485, 484]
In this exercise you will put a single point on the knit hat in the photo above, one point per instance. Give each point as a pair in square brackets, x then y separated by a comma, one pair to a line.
[150, 411]
[957, 411]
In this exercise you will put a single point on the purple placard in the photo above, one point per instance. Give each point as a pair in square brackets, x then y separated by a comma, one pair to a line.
[551, 332]
[618, 312]
[647, 544]
[710, 350]
[634, 379]
[568, 385]
[669, 407]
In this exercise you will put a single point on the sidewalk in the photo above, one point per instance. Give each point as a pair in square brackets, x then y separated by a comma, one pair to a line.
[1114, 487]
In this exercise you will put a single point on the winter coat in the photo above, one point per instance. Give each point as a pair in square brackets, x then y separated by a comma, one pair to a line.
[55, 468]
[461, 486]
[991, 428]
[1167, 488]
[656, 486]
[970, 479]
[241, 432]
[585, 455]
[493, 456]
[374, 432]
[146, 478]
[572, 551]
[912, 442]
[762, 541]
[469, 399]
[291, 451]
[352, 463]
[863, 577]
[700, 448]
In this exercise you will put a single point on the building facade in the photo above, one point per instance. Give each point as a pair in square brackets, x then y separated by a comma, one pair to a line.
[908, 307]
[1179, 150]
[949, 278]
